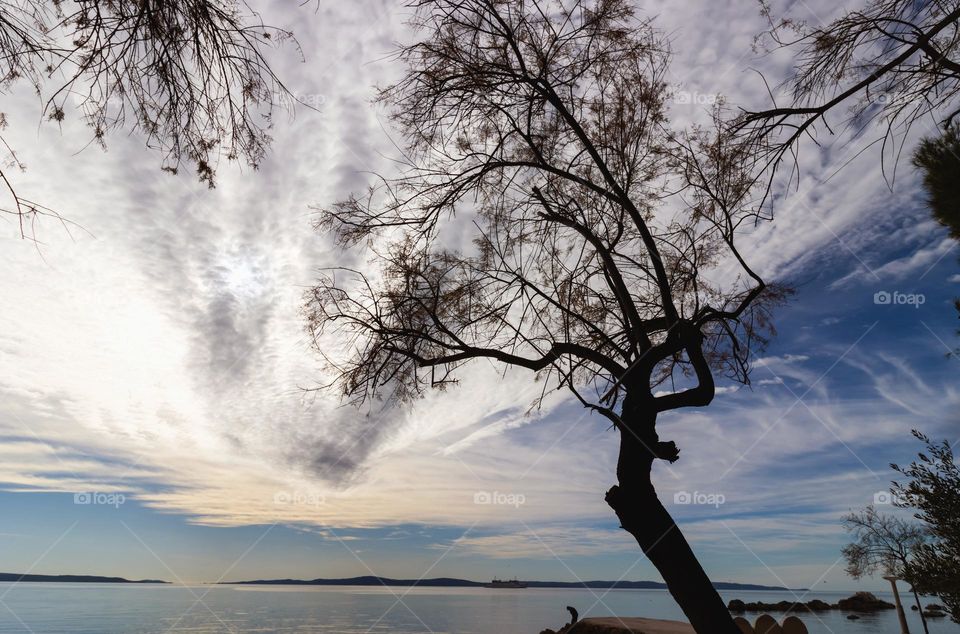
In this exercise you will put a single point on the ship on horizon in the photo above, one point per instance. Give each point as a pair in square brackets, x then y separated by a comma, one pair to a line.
[498, 583]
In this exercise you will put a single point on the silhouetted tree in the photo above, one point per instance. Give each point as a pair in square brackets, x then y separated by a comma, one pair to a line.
[603, 254]
[939, 160]
[933, 489]
[883, 543]
[190, 76]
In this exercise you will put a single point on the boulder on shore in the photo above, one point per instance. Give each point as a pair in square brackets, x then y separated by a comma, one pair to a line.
[816, 605]
[864, 602]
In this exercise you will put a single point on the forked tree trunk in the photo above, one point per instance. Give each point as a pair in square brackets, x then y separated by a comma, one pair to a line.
[641, 514]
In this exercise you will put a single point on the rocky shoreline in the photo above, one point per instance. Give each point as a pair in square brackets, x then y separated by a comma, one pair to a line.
[859, 602]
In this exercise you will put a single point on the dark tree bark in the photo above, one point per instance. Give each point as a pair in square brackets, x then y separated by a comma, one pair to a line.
[634, 500]
[916, 600]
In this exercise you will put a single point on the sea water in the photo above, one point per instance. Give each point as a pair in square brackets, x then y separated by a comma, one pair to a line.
[41, 608]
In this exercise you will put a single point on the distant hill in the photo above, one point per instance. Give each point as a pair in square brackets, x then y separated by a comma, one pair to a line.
[464, 583]
[14, 577]
[364, 581]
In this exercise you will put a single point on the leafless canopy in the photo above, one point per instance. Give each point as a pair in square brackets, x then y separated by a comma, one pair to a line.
[895, 62]
[190, 76]
[882, 543]
[548, 217]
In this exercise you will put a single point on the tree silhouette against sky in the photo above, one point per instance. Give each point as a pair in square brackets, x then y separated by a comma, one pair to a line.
[884, 544]
[602, 251]
[932, 490]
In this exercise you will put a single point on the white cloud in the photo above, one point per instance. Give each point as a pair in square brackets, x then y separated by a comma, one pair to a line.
[920, 262]
[727, 389]
[548, 542]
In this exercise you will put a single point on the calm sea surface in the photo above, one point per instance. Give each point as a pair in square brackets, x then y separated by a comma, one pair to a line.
[42, 608]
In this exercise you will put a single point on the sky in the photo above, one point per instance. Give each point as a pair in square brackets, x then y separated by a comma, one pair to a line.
[156, 419]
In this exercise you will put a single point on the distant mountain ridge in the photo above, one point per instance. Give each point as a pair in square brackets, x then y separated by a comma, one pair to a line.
[369, 580]
[14, 577]
[447, 582]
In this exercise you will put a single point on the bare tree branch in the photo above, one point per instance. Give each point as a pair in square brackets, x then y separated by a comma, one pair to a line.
[190, 76]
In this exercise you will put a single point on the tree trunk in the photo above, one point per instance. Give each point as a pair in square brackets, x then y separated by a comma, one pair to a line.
[641, 514]
[923, 619]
